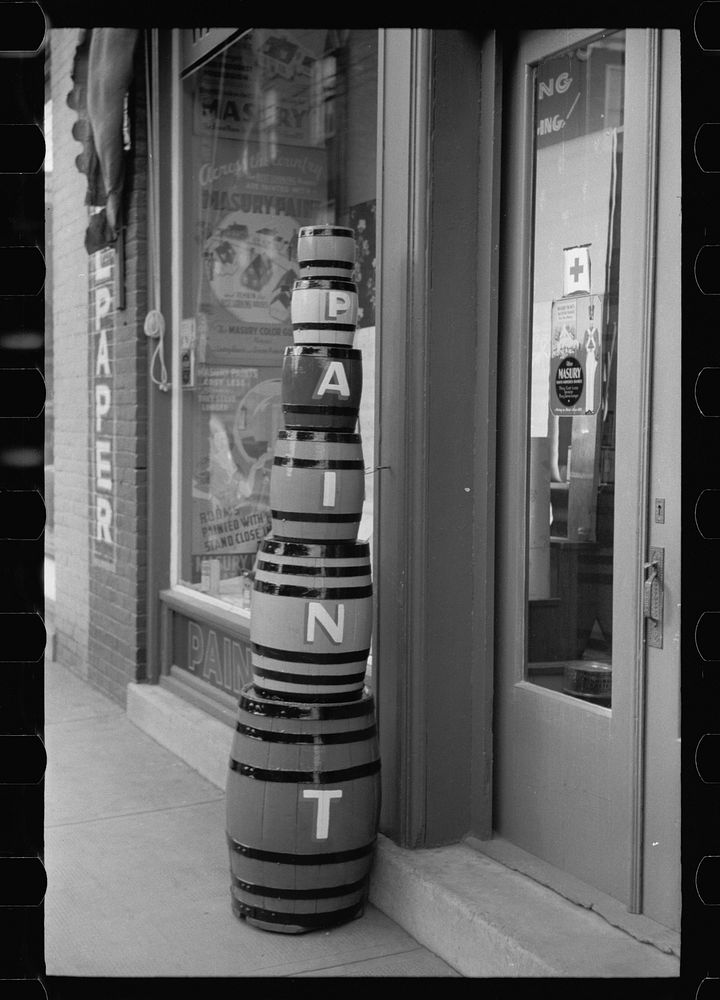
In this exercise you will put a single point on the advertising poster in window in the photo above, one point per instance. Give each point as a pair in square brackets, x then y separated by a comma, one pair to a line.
[260, 172]
[258, 117]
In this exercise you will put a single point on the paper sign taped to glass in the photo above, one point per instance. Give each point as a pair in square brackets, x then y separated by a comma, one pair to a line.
[234, 455]
[576, 355]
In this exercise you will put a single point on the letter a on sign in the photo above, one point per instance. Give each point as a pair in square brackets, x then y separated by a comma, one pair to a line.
[334, 380]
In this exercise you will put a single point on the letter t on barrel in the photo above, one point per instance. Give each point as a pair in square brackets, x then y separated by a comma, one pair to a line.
[324, 796]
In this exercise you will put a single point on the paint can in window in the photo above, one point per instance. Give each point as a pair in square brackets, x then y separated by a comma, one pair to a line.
[302, 811]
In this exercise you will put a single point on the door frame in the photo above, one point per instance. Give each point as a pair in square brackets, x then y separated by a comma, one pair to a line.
[626, 721]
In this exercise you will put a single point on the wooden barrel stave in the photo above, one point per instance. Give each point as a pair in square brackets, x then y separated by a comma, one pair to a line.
[326, 251]
[322, 660]
[324, 311]
[292, 870]
[321, 387]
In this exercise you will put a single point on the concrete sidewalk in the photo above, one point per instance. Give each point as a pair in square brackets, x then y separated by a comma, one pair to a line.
[138, 869]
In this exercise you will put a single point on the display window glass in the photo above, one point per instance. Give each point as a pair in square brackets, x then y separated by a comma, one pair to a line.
[571, 496]
[278, 132]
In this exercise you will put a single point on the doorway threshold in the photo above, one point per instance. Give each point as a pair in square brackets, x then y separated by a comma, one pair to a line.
[486, 919]
[642, 928]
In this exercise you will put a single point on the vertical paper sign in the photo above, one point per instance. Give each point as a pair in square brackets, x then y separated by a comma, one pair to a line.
[576, 356]
[102, 409]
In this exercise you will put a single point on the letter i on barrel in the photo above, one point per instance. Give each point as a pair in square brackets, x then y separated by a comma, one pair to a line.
[303, 788]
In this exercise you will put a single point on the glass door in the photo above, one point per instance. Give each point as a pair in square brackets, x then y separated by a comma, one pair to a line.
[577, 334]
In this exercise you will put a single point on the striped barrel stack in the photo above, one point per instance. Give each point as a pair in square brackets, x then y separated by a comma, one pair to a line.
[303, 789]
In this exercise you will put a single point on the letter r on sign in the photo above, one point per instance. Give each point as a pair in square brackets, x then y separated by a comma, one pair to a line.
[322, 819]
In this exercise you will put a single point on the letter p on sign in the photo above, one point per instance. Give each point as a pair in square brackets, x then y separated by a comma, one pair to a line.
[338, 304]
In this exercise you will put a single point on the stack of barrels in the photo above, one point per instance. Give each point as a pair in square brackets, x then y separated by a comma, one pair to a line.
[303, 789]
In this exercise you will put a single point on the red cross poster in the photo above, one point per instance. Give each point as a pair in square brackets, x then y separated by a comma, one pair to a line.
[576, 273]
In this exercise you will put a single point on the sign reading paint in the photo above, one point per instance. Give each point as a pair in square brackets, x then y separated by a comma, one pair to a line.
[213, 655]
[576, 356]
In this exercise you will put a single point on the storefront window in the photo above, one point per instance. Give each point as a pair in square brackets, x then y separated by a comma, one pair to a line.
[578, 170]
[279, 132]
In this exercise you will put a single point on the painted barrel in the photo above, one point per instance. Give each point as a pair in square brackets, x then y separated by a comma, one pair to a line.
[302, 811]
[321, 387]
[324, 311]
[326, 251]
[317, 485]
[311, 620]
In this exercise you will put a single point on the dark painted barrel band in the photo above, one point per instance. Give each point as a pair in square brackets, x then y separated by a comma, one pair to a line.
[340, 284]
[319, 463]
[316, 550]
[306, 712]
[316, 739]
[326, 230]
[311, 699]
[307, 920]
[293, 569]
[321, 437]
[299, 656]
[334, 680]
[312, 593]
[320, 892]
[330, 411]
[306, 777]
[279, 857]
[322, 327]
[294, 515]
[339, 351]
[348, 265]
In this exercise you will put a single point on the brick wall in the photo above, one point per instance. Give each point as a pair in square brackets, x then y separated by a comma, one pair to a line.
[117, 634]
[100, 611]
[69, 386]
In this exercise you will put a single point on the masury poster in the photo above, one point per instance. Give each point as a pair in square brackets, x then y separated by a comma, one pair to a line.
[259, 122]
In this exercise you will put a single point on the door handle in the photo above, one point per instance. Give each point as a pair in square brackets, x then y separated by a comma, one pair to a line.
[651, 592]
[653, 597]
